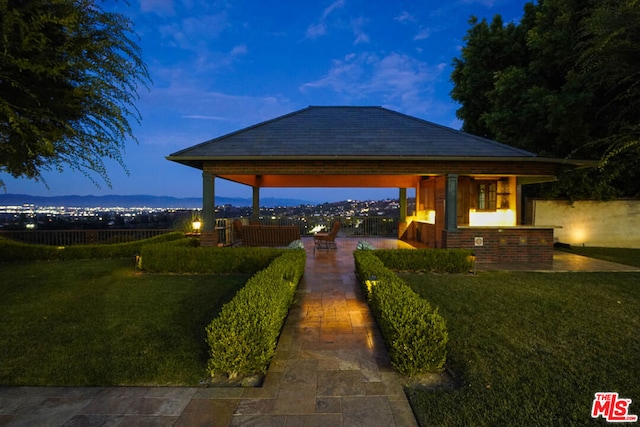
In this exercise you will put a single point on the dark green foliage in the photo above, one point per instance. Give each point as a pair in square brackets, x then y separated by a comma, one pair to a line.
[16, 251]
[490, 47]
[184, 258]
[243, 338]
[69, 76]
[563, 82]
[427, 260]
[415, 334]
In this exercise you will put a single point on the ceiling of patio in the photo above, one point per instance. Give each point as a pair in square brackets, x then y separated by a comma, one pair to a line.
[328, 181]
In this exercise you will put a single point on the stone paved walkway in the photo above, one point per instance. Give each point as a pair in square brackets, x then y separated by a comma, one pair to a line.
[563, 262]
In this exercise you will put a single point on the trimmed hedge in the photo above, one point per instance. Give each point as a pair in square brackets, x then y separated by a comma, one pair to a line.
[179, 257]
[415, 334]
[243, 338]
[16, 251]
[427, 260]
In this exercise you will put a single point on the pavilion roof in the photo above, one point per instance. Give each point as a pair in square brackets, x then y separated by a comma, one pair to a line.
[347, 133]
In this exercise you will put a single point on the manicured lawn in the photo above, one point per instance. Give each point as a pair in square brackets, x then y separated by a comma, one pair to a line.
[533, 348]
[620, 255]
[97, 322]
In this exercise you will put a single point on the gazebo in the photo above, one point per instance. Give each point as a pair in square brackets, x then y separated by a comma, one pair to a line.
[467, 188]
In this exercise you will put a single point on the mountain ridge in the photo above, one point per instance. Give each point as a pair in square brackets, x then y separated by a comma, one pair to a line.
[142, 200]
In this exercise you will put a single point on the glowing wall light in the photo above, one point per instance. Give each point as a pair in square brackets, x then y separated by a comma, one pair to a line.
[578, 235]
[498, 218]
[431, 217]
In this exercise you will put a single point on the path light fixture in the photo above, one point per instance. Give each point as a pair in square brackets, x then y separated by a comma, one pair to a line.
[371, 282]
[472, 259]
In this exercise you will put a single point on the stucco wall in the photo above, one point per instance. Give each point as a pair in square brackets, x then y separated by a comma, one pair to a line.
[614, 224]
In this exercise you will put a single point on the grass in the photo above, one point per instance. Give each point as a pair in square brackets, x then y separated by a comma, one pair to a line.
[97, 322]
[620, 255]
[532, 348]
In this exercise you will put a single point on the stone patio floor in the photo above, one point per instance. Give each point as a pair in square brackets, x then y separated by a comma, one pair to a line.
[331, 367]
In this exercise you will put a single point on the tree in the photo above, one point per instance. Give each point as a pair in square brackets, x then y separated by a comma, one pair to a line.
[572, 91]
[489, 49]
[609, 65]
[69, 76]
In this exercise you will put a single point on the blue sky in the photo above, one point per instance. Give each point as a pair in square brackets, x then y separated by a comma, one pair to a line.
[220, 66]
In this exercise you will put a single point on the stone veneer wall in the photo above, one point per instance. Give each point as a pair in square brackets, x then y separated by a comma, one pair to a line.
[518, 244]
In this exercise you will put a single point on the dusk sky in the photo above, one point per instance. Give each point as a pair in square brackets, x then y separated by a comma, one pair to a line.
[220, 66]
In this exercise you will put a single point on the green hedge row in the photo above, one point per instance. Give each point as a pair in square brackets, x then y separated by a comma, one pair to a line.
[243, 338]
[183, 257]
[415, 334]
[427, 260]
[16, 251]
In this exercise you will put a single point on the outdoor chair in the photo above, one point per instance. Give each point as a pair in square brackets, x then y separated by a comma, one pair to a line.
[237, 232]
[326, 240]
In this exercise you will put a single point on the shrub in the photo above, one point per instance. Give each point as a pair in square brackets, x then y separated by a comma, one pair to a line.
[243, 338]
[118, 250]
[427, 260]
[415, 334]
[184, 258]
[16, 251]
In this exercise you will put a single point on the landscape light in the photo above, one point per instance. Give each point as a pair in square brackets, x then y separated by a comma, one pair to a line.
[196, 225]
[371, 282]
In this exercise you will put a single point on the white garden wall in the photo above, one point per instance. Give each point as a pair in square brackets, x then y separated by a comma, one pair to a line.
[614, 224]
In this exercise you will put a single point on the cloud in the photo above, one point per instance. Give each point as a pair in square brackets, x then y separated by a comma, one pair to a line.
[405, 17]
[239, 50]
[396, 79]
[185, 110]
[192, 33]
[320, 28]
[328, 19]
[316, 30]
[423, 34]
[367, 73]
[161, 7]
[356, 26]
[333, 6]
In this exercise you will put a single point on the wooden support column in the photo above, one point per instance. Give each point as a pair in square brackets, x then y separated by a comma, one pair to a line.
[255, 209]
[209, 236]
[451, 204]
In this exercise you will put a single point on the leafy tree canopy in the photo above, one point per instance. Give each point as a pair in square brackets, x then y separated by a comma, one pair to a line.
[563, 82]
[69, 75]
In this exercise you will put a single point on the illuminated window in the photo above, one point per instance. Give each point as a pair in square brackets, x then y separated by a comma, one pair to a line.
[487, 194]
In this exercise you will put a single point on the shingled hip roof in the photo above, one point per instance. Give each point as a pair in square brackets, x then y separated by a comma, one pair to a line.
[347, 133]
